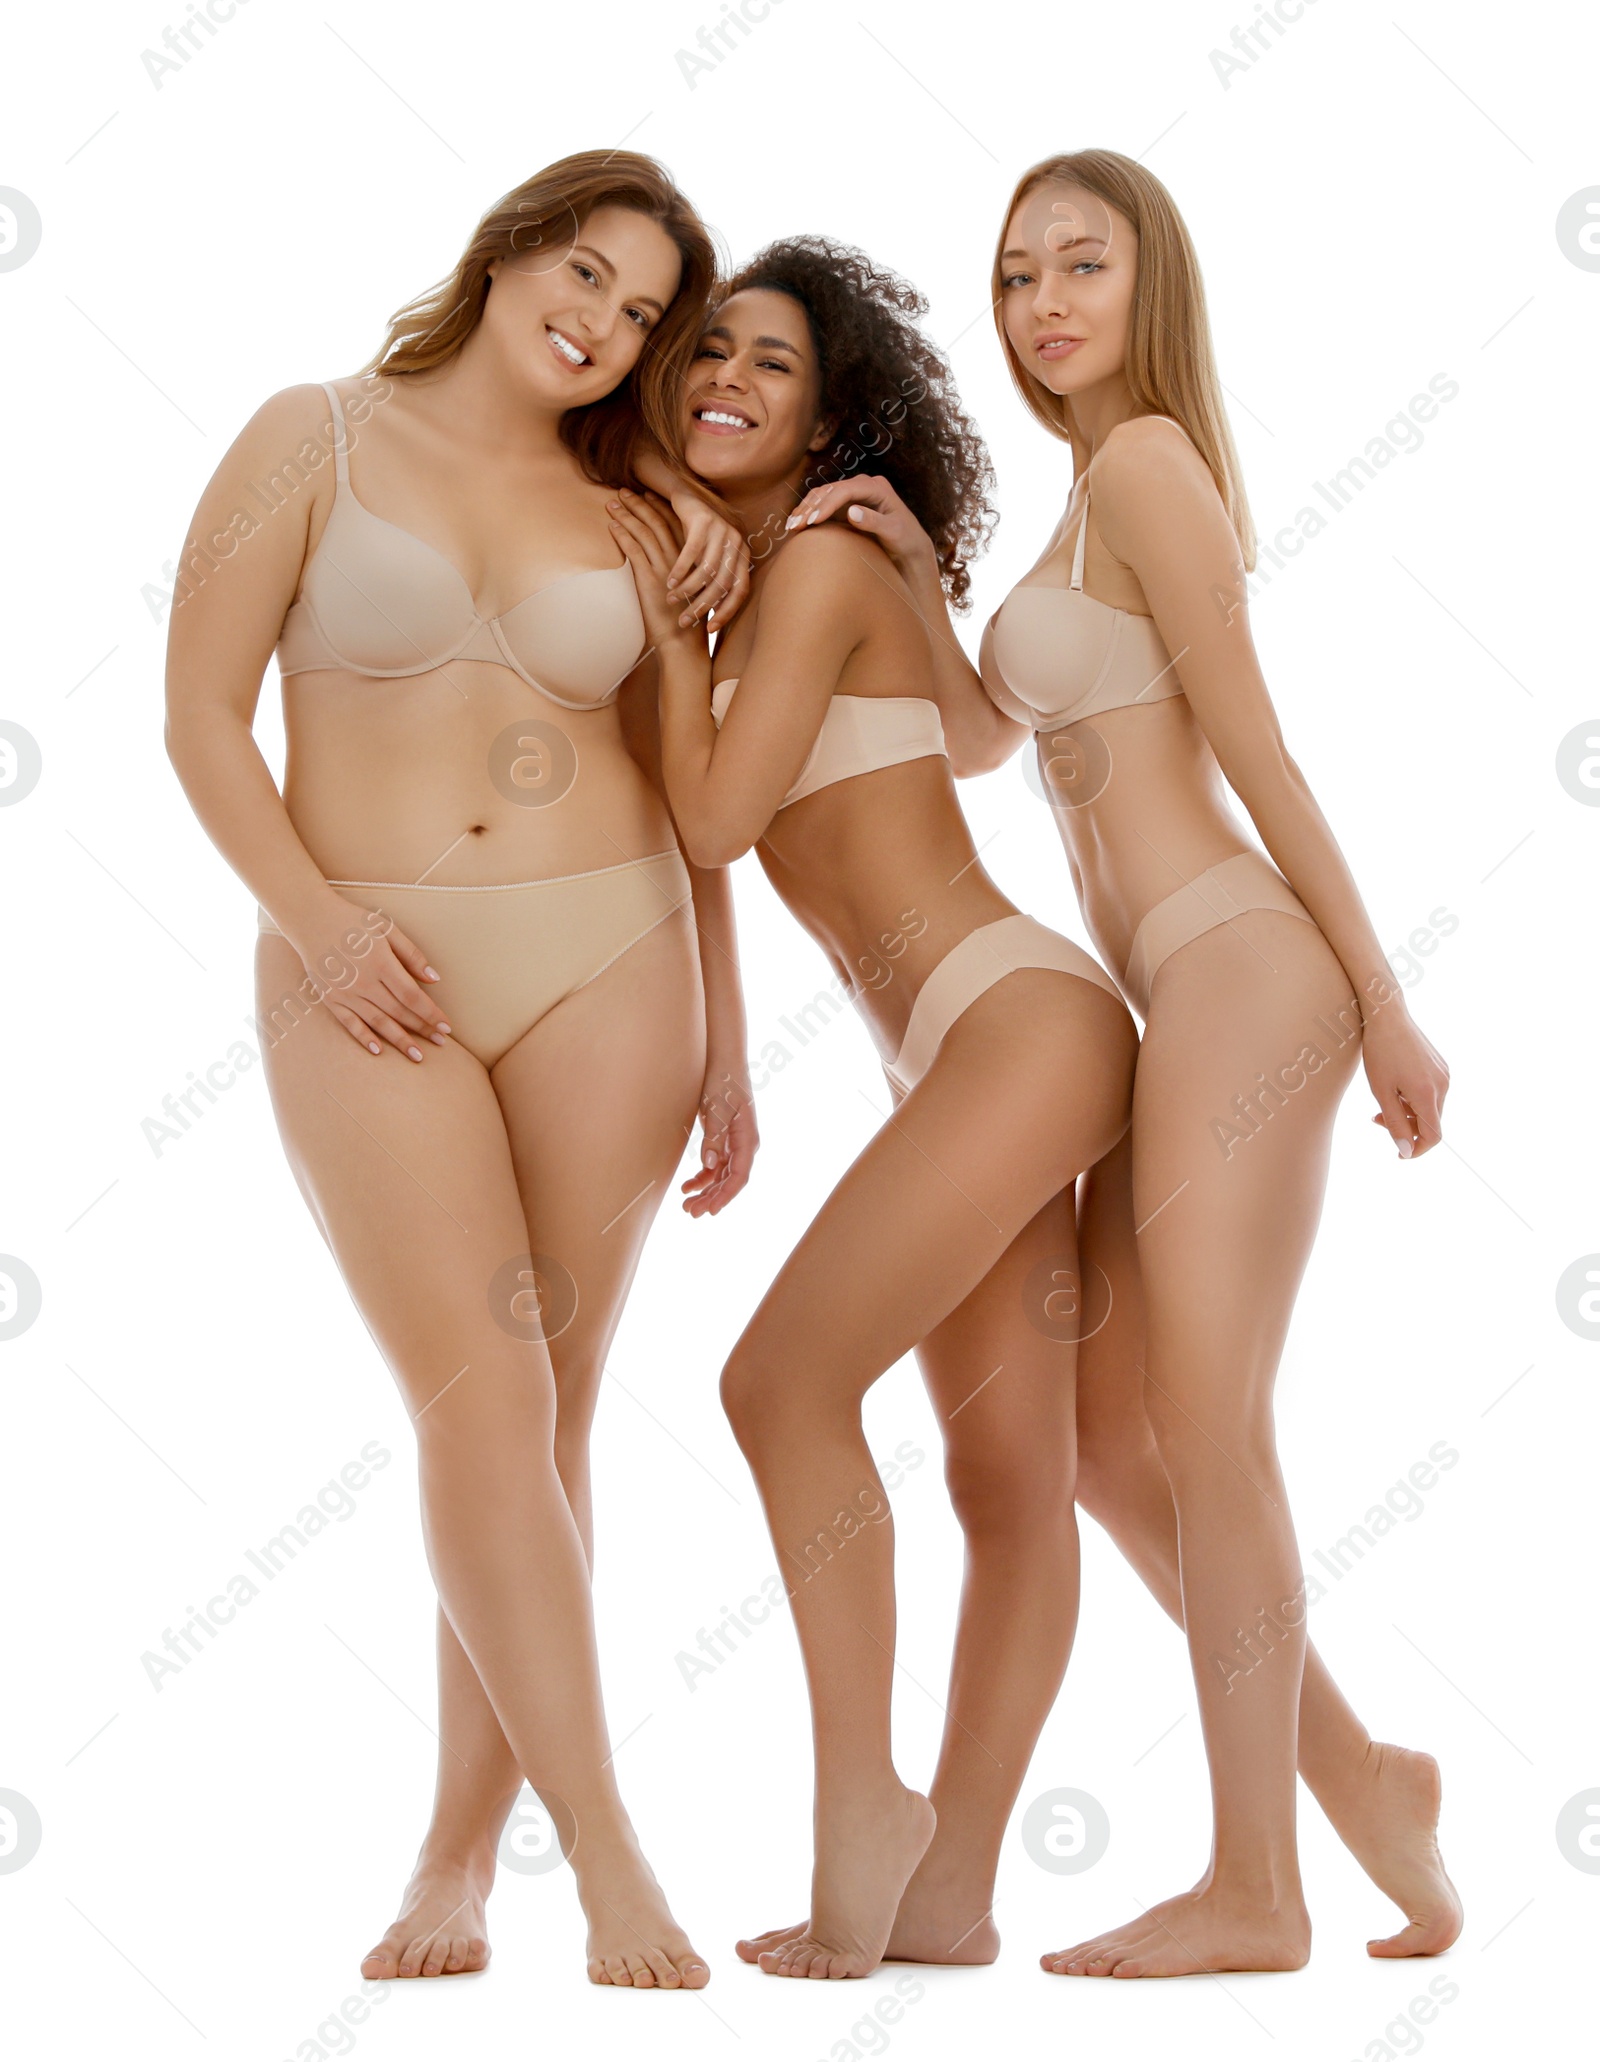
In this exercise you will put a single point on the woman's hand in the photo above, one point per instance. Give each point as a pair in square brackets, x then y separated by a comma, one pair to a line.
[368, 973]
[729, 1140]
[642, 526]
[711, 574]
[871, 504]
[1407, 1076]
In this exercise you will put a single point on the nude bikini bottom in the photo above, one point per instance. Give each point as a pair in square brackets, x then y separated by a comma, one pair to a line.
[969, 970]
[1247, 881]
[508, 953]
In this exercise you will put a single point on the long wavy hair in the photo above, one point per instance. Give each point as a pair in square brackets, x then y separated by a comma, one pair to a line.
[1170, 365]
[887, 392]
[546, 211]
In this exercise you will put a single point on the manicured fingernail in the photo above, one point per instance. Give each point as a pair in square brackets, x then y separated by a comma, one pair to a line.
[431, 973]
[613, 504]
[856, 514]
[375, 1047]
[810, 519]
[1405, 1149]
[412, 1050]
[789, 525]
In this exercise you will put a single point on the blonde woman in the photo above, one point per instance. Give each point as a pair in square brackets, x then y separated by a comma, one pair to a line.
[1127, 652]
[490, 1018]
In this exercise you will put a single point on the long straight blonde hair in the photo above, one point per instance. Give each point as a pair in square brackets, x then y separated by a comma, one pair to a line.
[1170, 366]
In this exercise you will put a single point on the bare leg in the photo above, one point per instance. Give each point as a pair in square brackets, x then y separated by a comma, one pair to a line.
[1004, 1394]
[410, 1172]
[1224, 1238]
[1382, 1801]
[1029, 1082]
[573, 1178]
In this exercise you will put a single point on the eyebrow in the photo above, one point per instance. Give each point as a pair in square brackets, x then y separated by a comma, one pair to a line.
[1102, 241]
[607, 266]
[721, 329]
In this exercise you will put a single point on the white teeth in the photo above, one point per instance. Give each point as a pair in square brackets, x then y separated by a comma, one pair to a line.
[734, 422]
[568, 351]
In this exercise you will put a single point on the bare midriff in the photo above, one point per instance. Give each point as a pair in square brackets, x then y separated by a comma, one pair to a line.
[461, 777]
[881, 871]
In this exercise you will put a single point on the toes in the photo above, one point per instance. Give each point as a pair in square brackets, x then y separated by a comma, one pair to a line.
[693, 1972]
[616, 1968]
[438, 1954]
[381, 1964]
[753, 1948]
[411, 1961]
[640, 1973]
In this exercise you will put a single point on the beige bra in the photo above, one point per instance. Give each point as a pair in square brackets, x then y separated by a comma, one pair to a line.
[1064, 655]
[378, 601]
[859, 734]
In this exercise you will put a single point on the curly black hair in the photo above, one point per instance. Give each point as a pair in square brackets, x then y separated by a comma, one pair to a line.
[889, 392]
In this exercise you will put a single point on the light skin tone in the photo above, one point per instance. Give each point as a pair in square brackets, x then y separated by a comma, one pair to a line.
[423, 1169]
[1174, 1418]
[929, 1239]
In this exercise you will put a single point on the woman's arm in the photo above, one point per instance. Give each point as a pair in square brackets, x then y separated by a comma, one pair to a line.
[727, 1110]
[238, 574]
[1159, 511]
[726, 786]
[711, 574]
[978, 735]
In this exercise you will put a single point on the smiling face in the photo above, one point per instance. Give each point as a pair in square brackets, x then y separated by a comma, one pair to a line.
[750, 415]
[569, 319]
[1068, 271]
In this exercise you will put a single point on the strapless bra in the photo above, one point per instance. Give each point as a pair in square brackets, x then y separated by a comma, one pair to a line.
[859, 734]
[378, 601]
[1063, 655]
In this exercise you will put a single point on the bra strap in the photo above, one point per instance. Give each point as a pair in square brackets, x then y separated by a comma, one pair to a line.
[341, 454]
[1077, 556]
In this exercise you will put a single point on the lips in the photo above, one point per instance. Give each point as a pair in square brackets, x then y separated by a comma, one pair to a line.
[1057, 346]
[566, 351]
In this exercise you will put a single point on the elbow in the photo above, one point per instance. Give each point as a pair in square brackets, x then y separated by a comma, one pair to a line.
[710, 843]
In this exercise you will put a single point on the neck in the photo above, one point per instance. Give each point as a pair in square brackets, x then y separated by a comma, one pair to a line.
[763, 507]
[483, 406]
[1095, 413]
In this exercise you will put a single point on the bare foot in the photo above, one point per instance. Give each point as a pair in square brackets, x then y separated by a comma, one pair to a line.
[759, 1944]
[862, 1867]
[924, 1930]
[1388, 1817]
[1198, 1935]
[440, 1930]
[943, 1920]
[634, 1941]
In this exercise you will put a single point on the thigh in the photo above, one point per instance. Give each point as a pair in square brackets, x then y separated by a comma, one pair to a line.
[999, 1369]
[1244, 1061]
[408, 1171]
[1110, 1390]
[1029, 1085]
[599, 1101]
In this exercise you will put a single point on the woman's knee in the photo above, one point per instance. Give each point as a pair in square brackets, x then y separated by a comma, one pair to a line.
[1197, 1438]
[1025, 1486]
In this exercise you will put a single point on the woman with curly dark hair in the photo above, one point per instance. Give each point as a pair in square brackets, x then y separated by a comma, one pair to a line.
[1008, 1052]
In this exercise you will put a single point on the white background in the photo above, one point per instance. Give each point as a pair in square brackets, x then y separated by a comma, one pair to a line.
[1374, 199]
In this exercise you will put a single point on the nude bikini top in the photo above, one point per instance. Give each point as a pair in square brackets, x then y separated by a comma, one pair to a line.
[1064, 655]
[859, 734]
[378, 601]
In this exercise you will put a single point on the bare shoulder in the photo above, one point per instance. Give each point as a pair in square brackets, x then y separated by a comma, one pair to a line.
[828, 561]
[1148, 455]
